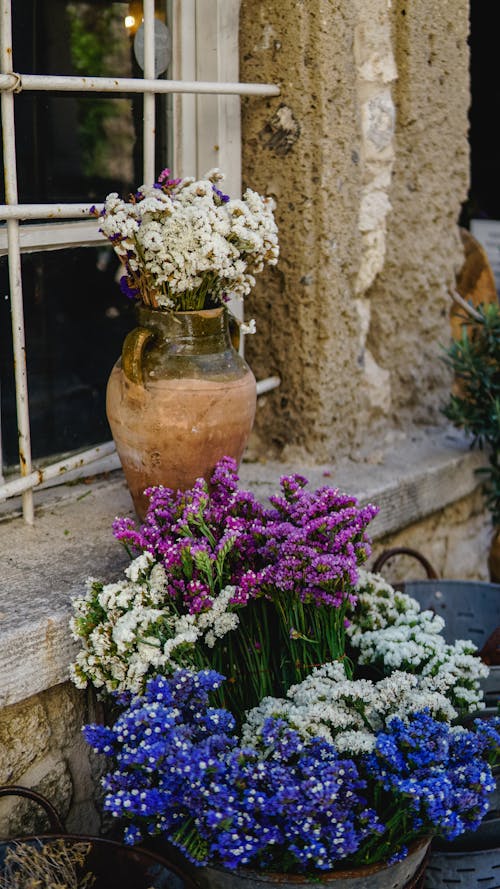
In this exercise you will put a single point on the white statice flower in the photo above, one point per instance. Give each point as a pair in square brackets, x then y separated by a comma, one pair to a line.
[191, 240]
[139, 566]
[389, 631]
[132, 624]
[218, 621]
[119, 223]
[131, 629]
[378, 605]
[347, 712]
[248, 327]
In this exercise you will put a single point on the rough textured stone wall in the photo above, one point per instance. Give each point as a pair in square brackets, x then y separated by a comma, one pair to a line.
[41, 747]
[366, 153]
[304, 148]
[455, 541]
[409, 302]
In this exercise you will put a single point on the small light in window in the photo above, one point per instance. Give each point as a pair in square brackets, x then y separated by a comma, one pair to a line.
[129, 21]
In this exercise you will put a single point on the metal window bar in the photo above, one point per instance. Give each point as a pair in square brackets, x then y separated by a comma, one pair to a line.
[12, 212]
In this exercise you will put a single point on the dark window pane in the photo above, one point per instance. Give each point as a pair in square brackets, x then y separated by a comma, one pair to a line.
[72, 147]
[76, 319]
[75, 147]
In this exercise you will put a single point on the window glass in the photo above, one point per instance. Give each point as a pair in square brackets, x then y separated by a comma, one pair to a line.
[76, 319]
[73, 148]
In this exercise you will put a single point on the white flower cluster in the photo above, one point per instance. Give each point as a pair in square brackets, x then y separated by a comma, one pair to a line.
[189, 240]
[131, 629]
[347, 712]
[390, 632]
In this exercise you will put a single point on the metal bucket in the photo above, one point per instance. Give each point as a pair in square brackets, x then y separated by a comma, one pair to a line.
[464, 869]
[406, 874]
[469, 608]
[114, 865]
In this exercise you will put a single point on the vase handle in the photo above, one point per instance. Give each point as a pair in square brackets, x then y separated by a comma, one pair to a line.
[132, 352]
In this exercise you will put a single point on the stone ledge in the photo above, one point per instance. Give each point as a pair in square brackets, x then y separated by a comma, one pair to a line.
[44, 566]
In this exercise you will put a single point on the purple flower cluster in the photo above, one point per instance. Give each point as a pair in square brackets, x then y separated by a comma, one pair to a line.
[306, 544]
[205, 538]
[284, 804]
[311, 544]
[293, 565]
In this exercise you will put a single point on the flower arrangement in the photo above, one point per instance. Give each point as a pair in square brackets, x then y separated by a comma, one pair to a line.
[282, 798]
[207, 563]
[279, 707]
[185, 245]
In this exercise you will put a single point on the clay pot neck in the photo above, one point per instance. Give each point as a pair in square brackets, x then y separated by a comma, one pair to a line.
[196, 332]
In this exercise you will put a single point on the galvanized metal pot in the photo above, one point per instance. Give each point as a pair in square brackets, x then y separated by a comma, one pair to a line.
[406, 874]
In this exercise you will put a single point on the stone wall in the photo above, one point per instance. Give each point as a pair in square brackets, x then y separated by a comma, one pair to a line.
[41, 747]
[455, 540]
[366, 153]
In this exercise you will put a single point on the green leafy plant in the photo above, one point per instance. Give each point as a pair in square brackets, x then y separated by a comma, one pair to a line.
[474, 405]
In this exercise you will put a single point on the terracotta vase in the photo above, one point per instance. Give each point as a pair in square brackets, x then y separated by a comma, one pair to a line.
[179, 398]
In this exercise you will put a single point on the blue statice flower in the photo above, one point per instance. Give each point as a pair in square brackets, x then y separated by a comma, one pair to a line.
[487, 733]
[435, 774]
[285, 802]
[126, 289]
[180, 773]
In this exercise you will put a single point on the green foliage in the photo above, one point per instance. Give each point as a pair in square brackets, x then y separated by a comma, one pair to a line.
[92, 35]
[475, 405]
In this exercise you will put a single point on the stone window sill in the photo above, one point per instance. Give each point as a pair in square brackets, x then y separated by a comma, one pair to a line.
[43, 566]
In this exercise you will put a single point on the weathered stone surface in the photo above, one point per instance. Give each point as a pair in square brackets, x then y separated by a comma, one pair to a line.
[368, 200]
[42, 748]
[455, 541]
[24, 736]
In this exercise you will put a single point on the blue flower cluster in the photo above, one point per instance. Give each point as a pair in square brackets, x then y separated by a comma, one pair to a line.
[180, 773]
[439, 773]
[284, 804]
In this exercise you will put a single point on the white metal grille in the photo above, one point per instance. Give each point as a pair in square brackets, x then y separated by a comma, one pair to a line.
[216, 20]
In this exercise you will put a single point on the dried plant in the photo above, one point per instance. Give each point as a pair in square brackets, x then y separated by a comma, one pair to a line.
[53, 865]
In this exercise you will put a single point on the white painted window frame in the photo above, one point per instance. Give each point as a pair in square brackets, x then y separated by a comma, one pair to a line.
[206, 115]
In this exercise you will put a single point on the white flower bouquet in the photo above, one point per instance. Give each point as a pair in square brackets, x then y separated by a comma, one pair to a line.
[388, 631]
[185, 245]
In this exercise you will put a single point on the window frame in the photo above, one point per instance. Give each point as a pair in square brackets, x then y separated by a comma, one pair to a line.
[206, 126]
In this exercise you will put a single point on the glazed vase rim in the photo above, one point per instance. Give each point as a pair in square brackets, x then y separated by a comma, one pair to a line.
[216, 310]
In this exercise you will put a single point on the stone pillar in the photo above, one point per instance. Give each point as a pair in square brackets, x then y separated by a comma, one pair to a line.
[410, 303]
[366, 144]
[304, 148]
